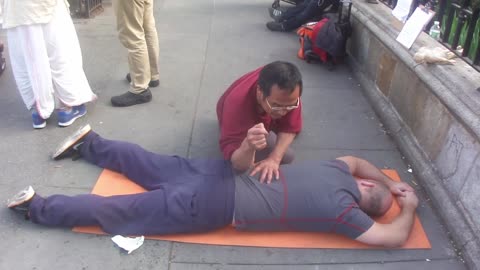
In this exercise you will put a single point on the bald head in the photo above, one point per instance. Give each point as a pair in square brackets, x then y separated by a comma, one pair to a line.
[376, 197]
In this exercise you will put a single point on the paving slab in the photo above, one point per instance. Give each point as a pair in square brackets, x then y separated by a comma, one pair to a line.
[440, 265]
[204, 46]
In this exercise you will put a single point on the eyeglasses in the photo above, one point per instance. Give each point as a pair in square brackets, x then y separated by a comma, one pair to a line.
[283, 108]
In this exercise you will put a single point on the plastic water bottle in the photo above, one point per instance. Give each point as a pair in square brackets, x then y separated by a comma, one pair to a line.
[435, 30]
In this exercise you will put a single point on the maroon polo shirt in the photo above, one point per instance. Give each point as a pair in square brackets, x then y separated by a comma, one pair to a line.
[237, 112]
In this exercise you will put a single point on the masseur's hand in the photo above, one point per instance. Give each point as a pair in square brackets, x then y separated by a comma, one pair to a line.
[400, 188]
[257, 137]
[268, 168]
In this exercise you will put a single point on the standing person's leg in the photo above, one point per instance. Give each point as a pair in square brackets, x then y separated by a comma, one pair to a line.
[31, 69]
[324, 4]
[293, 11]
[71, 84]
[308, 12]
[130, 19]
[151, 37]
[271, 142]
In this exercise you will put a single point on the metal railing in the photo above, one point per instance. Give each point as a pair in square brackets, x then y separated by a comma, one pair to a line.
[460, 26]
[84, 8]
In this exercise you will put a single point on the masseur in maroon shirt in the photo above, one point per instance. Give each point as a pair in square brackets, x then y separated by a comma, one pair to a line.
[259, 116]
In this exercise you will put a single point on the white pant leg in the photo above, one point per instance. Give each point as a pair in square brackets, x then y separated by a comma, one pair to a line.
[71, 84]
[31, 68]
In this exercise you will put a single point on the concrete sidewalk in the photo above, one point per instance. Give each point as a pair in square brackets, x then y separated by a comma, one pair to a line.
[205, 45]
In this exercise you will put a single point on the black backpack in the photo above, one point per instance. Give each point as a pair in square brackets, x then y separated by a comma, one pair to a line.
[327, 40]
[333, 36]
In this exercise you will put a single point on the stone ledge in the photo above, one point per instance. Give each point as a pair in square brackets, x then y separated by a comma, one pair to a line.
[433, 113]
[457, 83]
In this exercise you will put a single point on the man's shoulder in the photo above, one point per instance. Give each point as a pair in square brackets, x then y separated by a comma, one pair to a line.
[241, 93]
[243, 85]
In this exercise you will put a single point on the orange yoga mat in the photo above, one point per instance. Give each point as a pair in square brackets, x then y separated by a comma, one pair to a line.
[110, 183]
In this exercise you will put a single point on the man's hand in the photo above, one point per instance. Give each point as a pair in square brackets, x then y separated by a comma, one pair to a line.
[400, 188]
[268, 169]
[257, 137]
[408, 201]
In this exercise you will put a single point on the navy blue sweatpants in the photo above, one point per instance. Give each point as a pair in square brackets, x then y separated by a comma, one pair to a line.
[183, 195]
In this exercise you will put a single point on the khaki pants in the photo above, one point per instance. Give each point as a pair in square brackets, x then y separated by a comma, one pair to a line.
[137, 32]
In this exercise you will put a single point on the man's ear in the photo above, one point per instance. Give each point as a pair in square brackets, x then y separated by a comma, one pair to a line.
[259, 93]
[366, 183]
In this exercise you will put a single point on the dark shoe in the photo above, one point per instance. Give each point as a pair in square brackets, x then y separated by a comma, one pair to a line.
[69, 147]
[372, 1]
[275, 26]
[21, 201]
[330, 65]
[130, 99]
[150, 84]
[275, 14]
[3, 64]
[154, 83]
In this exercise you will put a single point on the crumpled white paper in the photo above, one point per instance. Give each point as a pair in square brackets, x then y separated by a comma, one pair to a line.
[435, 55]
[128, 243]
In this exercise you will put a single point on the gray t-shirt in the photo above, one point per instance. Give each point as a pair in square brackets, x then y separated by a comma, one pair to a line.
[312, 196]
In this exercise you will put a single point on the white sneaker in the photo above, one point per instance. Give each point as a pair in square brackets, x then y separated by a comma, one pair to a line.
[71, 142]
[21, 201]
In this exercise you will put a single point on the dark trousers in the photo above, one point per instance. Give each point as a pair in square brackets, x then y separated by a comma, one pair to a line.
[300, 14]
[183, 195]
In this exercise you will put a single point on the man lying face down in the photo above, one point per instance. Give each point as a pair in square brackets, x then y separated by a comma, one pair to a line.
[198, 195]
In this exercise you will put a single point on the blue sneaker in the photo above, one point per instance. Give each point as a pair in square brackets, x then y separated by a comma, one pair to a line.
[38, 121]
[67, 117]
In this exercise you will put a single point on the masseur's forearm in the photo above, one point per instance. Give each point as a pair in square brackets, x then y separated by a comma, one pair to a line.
[283, 142]
[244, 157]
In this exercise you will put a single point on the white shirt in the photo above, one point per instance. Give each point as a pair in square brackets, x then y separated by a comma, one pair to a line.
[14, 13]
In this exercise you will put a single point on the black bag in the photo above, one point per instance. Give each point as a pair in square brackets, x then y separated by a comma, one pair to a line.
[329, 41]
[333, 36]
